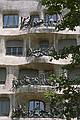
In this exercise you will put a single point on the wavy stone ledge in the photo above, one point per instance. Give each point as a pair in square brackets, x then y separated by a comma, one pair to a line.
[14, 60]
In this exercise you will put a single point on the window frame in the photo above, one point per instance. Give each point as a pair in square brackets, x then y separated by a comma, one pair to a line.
[2, 82]
[44, 44]
[3, 99]
[47, 18]
[34, 100]
[32, 16]
[14, 47]
[16, 52]
[14, 23]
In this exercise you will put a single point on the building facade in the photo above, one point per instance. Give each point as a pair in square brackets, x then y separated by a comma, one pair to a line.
[23, 76]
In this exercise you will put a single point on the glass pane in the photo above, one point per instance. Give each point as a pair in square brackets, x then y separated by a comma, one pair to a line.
[46, 18]
[44, 44]
[5, 21]
[2, 75]
[31, 106]
[13, 51]
[34, 18]
[8, 51]
[14, 43]
[16, 20]
[51, 20]
[10, 21]
[37, 107]
[20, 50]
[4, 107]
[41, 106]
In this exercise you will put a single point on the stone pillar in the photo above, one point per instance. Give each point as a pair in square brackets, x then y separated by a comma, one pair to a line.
[12, 72]
[56, 42]
[24, 48]
[48, 106]
[41, 11]
[2, 47]
[65, 73]
[42, 76]
[78, 40]
[1, 19]
[58, 69]
[42, 15]
[29, 41]
[12, 103]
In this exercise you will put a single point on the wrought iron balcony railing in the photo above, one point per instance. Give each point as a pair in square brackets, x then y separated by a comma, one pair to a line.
[27, 23]
[29, 81]
[39, 52]
[20, 113]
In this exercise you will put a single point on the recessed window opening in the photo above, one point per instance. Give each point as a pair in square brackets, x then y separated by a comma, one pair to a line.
[10, 20]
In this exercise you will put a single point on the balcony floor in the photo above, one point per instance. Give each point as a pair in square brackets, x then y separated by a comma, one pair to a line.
[7, 118]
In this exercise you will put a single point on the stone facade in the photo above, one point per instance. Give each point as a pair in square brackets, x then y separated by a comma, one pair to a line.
[13, 58]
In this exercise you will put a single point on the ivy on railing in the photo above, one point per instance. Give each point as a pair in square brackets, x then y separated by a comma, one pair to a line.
[64, 53]
[16, 83]
[19, 112]
[27, 23]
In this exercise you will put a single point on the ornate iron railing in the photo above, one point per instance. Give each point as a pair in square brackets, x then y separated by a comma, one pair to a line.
[27, 23]
[16, 83]
[39, 52]
[20, 113]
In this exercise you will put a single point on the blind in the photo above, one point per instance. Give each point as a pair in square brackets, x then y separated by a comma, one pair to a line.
[2, 75]
[66, 43]
[4, 106]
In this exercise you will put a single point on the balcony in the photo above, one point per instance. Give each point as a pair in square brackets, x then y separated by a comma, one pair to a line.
[8, 118]
[29, 84]
[33, 24]
[43, 29]
[20, 113]
[33, 88]
[36, 119]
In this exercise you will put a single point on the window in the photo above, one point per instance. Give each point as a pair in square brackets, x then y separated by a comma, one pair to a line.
[28, 72]
[74, 74]
[10, 21]
[44, 44]
[2, 75]
[66, 43]
[4, 106]
[14, 51]
[51, 20]
[36, 105]
[14, 47]
[34, 18]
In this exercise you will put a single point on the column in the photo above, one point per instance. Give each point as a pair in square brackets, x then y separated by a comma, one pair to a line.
[41, 10]
[42, 76]
[12, 103]
[29, 41]
[12, 72]
[2, 47]
[42, 15]
[56, 42]
[24, 48]
[58, 69]
[78, 40]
